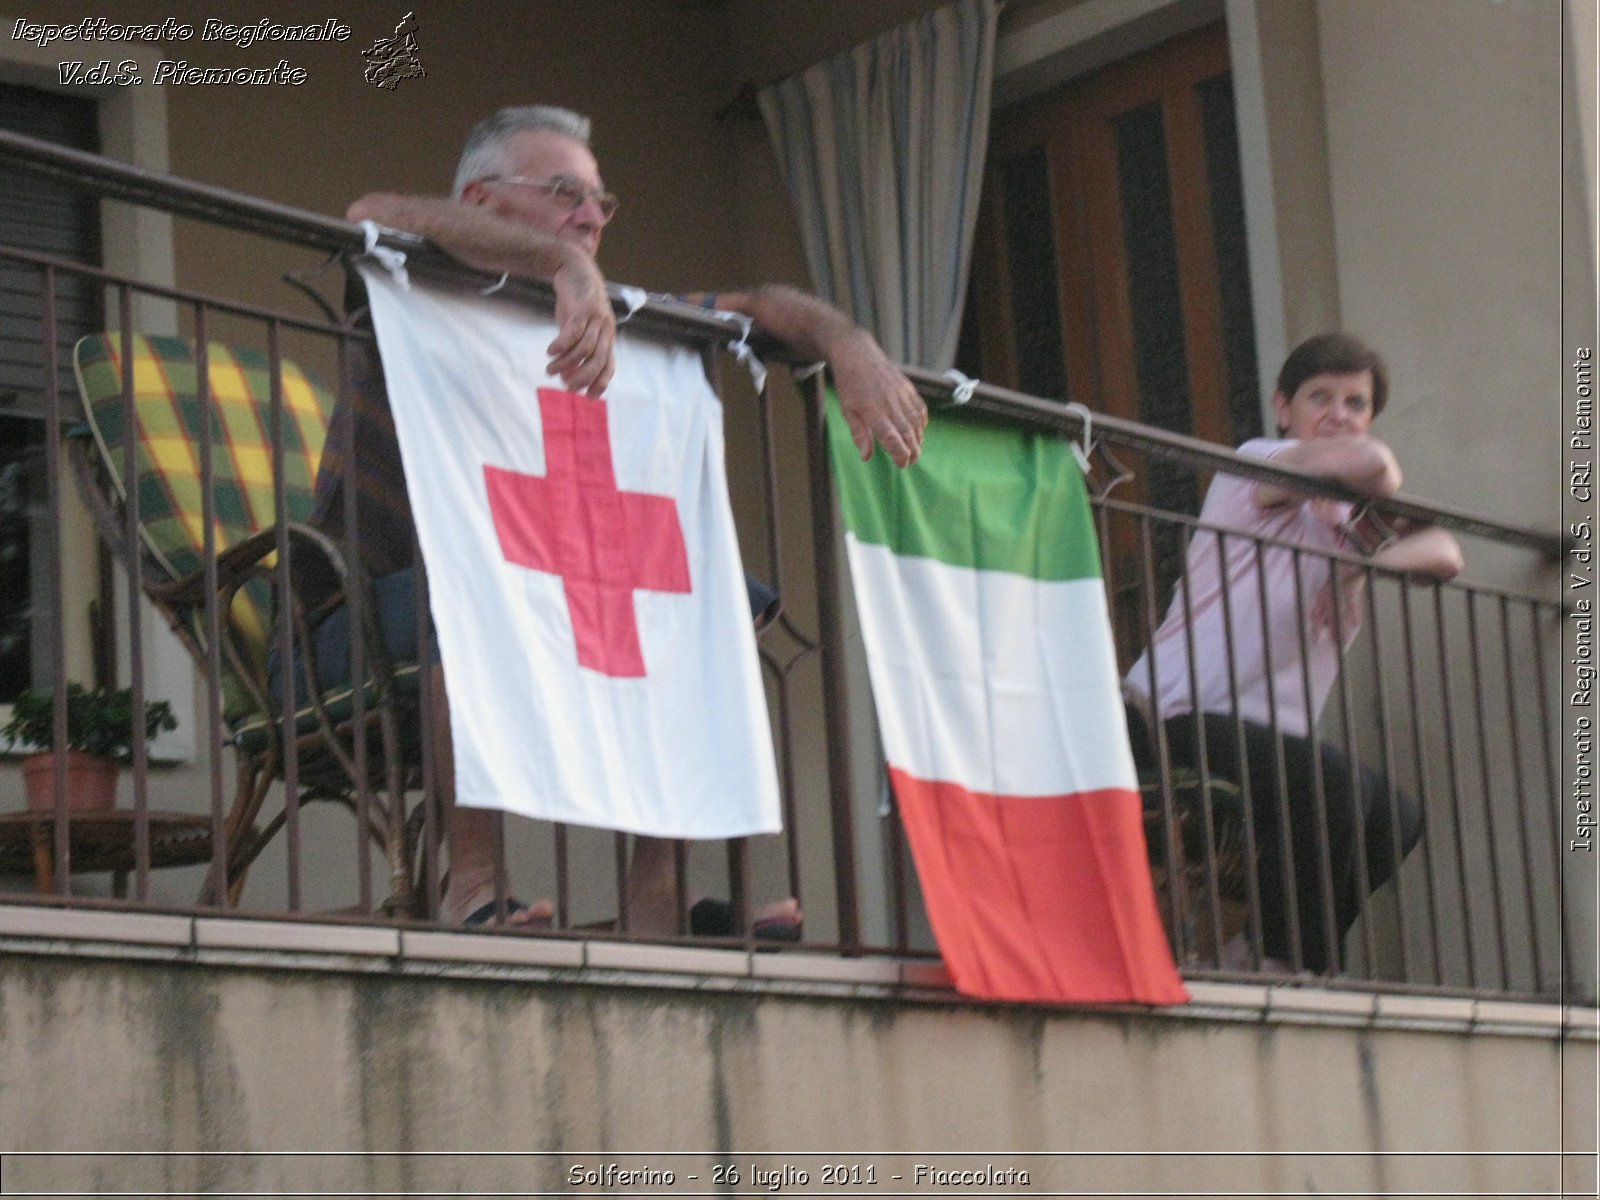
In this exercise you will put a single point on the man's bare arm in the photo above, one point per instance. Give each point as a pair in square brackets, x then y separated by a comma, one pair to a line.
[876, 399]
[583, 354]
[1360, 460]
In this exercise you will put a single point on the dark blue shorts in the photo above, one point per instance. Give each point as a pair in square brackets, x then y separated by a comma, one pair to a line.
[395, 598]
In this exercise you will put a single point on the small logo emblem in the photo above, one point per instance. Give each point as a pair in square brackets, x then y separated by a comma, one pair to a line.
[392, 59]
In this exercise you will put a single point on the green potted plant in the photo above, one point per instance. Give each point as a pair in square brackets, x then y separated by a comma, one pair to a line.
[100, 731]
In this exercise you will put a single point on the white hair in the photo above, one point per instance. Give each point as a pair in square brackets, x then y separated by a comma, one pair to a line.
[485, 152]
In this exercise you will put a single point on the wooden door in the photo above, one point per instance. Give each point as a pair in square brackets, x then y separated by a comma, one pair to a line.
[1111, 270]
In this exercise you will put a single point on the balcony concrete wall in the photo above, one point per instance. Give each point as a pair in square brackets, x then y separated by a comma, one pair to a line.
[168, 1036]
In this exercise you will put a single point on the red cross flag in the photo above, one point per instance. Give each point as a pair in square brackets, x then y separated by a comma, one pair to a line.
[583, 572]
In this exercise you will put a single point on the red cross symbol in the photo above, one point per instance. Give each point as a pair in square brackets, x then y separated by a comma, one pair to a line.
[574, 522]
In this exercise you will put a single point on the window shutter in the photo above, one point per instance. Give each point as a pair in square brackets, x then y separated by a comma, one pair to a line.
[47, 217]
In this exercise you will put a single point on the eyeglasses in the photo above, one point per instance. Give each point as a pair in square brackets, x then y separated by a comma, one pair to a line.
[565, 191]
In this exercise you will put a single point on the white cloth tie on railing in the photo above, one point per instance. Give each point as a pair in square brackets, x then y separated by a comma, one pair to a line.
[962, 387]
[394, 261]
[634, 297]
[1084, 446]
[741, 349]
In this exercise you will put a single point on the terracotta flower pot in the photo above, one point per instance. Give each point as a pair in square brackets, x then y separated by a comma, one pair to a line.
[91, 782]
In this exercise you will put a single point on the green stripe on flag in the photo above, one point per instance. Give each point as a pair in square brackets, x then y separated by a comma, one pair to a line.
[982, 495]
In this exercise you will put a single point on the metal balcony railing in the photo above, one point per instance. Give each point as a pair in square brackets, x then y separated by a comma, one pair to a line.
[1451, 692]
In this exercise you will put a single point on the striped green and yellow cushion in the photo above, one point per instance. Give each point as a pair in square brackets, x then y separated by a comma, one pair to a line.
[168, 416]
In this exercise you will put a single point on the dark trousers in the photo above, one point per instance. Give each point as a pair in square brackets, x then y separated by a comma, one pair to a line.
[1322, 840]
[395, 603]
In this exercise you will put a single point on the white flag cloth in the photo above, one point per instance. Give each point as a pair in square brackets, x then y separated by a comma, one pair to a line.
[583, 573]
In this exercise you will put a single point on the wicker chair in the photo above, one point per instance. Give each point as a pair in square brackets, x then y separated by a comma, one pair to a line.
[1219, 875]
[172, 515]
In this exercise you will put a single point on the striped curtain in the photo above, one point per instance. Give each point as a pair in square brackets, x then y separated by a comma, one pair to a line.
[882, 150]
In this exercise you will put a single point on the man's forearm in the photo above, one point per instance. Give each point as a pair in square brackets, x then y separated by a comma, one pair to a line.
[808, 324]
[877, 400]
[583, 351]
[473, 235]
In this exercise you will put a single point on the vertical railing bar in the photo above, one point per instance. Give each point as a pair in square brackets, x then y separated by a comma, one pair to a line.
[1457, 812]
[619, 851]
[1357, 798]
[738, 849]
[136, 671]
[1177, 890]
[1102, 521]
[291, 751]
[738, 883]
[680, 890]
[1202, 764]
[430, 721]
[789, 773]
[769, 467]
[355, 590]
[1495, 899]
[563, 877]
[133, 535]
[1108, 570]
[1552, 810]
[835, 704]
[899, 880]
[1413, 688]
[61, 852]
[502, 888]
[1386, 750]
[769, 484]
[220, 849]
[1252, 877]
[1319, 795]
[1291, 882]
[1547, 735]
[1524, 829]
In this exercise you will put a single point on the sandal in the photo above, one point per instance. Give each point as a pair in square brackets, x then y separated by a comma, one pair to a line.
[711, 917]
[485, 915]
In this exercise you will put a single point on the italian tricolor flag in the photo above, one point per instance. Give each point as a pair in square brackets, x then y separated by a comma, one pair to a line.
[977, 577]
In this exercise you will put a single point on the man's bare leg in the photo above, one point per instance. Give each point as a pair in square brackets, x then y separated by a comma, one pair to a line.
[652, 887]
[469, 832]
[652, 892]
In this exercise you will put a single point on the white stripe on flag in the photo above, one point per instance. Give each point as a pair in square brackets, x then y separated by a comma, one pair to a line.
[684, 750]
[994, 681]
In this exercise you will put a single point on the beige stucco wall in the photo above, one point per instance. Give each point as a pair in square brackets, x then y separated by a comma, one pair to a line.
[1456, 268]
[509, 1081]
[1444, 154]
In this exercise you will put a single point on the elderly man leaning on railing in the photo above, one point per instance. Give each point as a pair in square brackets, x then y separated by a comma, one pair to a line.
[528, 201]
[1252, 642]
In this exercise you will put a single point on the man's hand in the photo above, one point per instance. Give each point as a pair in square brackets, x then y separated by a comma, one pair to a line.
[878, 401]
[584, 352]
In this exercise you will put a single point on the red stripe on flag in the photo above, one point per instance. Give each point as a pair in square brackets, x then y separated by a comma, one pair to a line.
[1039, 897]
